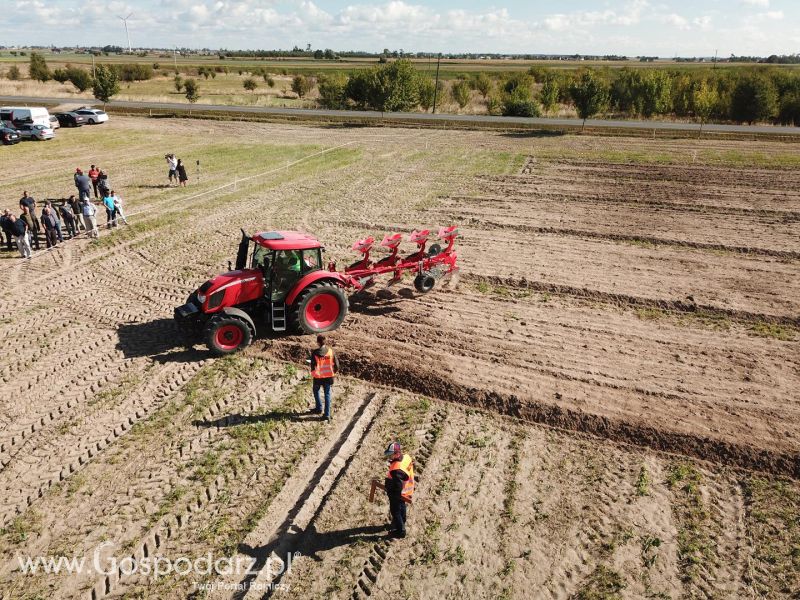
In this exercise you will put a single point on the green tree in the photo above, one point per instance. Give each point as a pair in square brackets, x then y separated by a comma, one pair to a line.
[548, 96]
[192, 90]
[332, 90]
[106, 84]
[60, 75]
[80, 78]
[519, 103]
[460, 92]
[789, 113]
[589, 95]
[704, 101]
[483, 84]
[270, 82]
[14, 74]
[359, 85]
[178, 82]
[427, 89]
[397, 87]
[655, 93]
[754, 98]
[250, 84]
[302, 85]
[38, 68]
[516, 80]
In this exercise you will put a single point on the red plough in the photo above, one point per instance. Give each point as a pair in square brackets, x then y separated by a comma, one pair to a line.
[430, 265]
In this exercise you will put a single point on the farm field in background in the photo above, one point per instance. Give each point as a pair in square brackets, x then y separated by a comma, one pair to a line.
[603, 405]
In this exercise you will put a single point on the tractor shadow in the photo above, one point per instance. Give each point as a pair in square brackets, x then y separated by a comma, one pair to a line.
[240, 419]
[379, 302]
[159, 340]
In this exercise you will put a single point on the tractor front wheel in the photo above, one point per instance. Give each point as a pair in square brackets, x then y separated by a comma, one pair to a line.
[320, 307]
[227, 334]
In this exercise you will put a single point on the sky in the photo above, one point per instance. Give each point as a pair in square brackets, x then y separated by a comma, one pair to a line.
[628, 27]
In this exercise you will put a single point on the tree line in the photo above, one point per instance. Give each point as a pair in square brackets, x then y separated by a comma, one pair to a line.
[742, 95]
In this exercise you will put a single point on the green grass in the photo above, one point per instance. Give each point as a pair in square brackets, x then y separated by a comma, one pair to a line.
[695, 546]
[643, 482]
[22, 527]
[603, 584]
[773, 524]
[783, 333]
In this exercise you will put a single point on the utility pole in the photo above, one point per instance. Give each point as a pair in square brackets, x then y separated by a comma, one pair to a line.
[436, 85]
[125, 20]
[175, 56]
[93, 75]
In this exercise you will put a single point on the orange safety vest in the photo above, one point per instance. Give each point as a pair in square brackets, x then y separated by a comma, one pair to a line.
[406, 465]
[324, 366]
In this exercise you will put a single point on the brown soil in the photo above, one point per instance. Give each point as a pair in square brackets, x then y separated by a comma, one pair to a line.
[617, 317]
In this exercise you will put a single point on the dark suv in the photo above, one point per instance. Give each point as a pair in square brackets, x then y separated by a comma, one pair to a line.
[8, 135]
[70, 119]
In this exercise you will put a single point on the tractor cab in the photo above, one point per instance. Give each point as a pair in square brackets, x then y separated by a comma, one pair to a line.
[283, 258]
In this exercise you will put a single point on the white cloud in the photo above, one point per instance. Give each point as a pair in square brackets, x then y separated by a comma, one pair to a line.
[677, 21]
[703, 22]
[772, 15]
[761, 3]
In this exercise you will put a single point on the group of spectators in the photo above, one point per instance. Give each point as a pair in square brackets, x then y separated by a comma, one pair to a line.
[68, 217]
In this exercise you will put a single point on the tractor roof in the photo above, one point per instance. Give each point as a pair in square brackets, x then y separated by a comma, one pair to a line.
[286, 240]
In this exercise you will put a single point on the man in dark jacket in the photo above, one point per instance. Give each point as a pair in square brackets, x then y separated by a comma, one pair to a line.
[50, 231]
[19, 228]
[324, 365]
[27, 202]
[7, 225]
[32, 223]
[68, 217]
[84, 185]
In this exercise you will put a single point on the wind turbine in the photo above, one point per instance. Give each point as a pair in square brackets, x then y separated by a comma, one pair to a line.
[125, 20]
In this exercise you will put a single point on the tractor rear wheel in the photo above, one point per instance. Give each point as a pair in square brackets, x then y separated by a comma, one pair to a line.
[226, 334]
[424, 282]
[320, 307]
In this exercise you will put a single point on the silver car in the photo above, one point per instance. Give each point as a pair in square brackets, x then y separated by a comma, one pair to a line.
[54, 124]
[30, 131]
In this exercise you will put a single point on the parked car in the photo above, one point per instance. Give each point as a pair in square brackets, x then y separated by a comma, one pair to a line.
[54, 124]
[9, 136]
[70, 119]
[36, 132]
[93, 115]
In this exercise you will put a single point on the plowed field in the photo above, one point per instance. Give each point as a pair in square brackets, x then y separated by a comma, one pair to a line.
[604, 403]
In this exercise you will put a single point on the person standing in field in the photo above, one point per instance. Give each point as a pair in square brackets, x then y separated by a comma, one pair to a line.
[69, 219]
[8, 230]
[399, 485]
[84, 185]
[324, 366]
[103, 184]
[182, 176]
[27, 203]
[118, 207]
[89, 212]
[20, 230]
[49, 222]
[29, 221]
[172, 162]
[57, 216]
[111, 213]
[93, 174]
[75, 204]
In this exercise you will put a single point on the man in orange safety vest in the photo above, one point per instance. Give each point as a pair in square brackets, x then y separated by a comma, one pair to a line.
[324, 365]
[399, 485]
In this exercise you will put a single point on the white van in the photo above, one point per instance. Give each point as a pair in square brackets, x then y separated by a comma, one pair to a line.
[18, 115]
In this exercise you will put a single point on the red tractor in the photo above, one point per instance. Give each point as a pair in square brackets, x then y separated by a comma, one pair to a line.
[284, 286]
